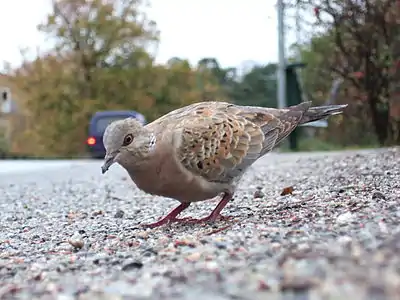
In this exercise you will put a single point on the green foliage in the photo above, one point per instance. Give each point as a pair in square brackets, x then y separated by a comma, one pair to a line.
[258, 87]
[317, 77]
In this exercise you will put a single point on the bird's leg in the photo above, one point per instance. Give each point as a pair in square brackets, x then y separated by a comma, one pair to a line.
[171, 217]
[215, 214]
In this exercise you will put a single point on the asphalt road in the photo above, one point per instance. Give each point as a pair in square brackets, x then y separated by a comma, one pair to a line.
[24, 166]
[68, 232]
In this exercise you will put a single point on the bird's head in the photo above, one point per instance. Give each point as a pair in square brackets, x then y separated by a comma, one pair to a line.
[127, 142]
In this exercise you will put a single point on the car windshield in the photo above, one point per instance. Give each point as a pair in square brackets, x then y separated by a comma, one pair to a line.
[102, 123]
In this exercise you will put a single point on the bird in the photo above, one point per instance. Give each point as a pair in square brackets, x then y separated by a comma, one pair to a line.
[202, 150]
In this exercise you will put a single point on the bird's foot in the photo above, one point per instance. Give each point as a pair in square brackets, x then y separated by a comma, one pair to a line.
[170, 218]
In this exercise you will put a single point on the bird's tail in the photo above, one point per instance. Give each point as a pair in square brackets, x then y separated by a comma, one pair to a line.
[321, 112]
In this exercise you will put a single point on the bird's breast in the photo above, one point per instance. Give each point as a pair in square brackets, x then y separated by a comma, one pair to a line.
[167, 178]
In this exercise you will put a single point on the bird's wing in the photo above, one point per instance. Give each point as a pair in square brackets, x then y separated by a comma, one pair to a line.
[285, 120]
[218, 140]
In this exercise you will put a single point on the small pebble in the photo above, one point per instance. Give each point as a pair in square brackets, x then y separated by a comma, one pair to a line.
[345, 218]
[258, 194]
[220, 245]
[119, 214]
[132, 265]
[193, 257]
[378, 195]
[76, 241]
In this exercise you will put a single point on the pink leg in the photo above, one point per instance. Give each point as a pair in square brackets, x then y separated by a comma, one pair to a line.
[215, 214]
[171, 217]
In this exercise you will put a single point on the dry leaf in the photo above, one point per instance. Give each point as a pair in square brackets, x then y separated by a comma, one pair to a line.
[287, 190]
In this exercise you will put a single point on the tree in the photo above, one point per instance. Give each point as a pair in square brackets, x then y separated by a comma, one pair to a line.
[96, 64]
[101, 34]
[101, 61]
[258, 87]
[225, 77]
[354, 127]
[360, 36]
[179, 84]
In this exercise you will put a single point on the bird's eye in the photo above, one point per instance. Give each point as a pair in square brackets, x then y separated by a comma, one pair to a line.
[128, 139]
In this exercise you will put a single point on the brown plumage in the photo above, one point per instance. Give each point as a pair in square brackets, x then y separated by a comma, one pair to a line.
[202, 150]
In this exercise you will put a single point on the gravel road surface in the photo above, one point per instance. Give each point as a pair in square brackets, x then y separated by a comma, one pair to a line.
[69, 232]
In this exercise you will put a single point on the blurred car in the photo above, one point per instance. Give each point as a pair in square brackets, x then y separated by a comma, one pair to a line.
[98, 124]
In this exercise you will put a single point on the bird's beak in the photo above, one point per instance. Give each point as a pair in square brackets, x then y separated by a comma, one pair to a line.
[109, 159]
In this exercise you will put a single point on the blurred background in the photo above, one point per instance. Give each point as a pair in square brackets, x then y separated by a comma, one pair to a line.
[72, 66]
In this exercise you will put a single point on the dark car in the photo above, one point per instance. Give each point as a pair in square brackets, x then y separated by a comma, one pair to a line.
[98, 125]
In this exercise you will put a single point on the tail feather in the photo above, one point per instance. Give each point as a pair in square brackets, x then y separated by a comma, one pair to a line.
[321, 112]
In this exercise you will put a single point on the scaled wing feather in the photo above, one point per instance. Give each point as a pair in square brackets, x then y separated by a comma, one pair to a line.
[218, 141]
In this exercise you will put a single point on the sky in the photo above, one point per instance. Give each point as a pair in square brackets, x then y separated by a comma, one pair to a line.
[231, 31]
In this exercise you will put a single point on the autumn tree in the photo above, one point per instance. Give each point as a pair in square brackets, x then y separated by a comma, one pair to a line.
[48, 93]
[354, 126]
[178, 84]
[102, 60]
[96, 44]
[356, 39]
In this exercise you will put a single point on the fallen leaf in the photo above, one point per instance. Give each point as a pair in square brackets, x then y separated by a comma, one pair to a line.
[287, 190]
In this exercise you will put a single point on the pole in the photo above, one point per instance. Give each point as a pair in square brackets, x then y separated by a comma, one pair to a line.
[294, 136]
[281, 50]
